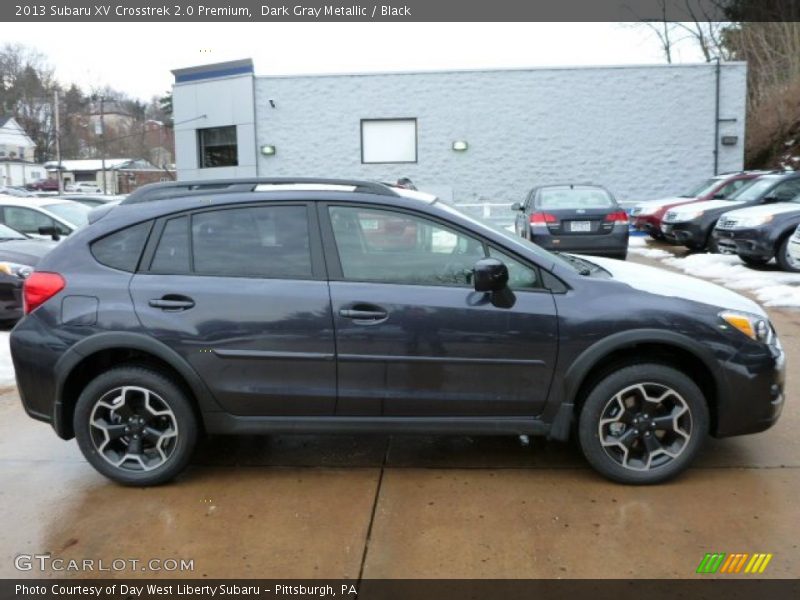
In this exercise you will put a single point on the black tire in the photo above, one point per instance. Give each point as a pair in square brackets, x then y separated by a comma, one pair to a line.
[655, 377]
[656, 235]
[621, 256]
[754, 261]
[178, 416]
[782, 257]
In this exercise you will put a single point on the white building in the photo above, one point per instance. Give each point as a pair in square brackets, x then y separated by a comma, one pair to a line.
[475, 137]
[17, 149]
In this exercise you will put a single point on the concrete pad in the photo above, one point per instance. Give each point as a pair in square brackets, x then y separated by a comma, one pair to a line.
[573, 524]
[233, 522]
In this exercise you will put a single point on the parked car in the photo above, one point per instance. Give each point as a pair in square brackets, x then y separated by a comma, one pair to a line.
[693, 224]
[93, 201]
[794, 246]
[43, 185]
[254, 306]
[760, 233]
[42, 217]
[17, 192]
[581, 218]
[647, 216]
[84, 187]
[19, 255]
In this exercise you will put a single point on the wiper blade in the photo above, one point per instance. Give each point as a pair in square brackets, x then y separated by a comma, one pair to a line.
[580, 266]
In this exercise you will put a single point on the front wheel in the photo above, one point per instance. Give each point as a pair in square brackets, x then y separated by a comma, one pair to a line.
[135, 425]
[643, 424]
[785, 259]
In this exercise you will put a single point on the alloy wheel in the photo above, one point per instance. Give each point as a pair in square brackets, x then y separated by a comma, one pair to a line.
[133, 429]
[645, 426]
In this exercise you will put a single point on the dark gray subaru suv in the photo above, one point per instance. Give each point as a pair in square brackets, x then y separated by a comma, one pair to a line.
[266, 306]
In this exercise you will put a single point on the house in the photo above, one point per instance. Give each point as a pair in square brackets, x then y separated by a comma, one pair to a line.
[479, 138]
[17, 149]
[122, 175]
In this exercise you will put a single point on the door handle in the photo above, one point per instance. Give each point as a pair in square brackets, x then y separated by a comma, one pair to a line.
[363, 315]
[172, 302]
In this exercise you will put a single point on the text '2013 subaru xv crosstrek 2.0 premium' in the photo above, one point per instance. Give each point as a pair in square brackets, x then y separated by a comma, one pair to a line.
[266, 306]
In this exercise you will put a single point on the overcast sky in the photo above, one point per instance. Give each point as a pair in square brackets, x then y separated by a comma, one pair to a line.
[137, 57]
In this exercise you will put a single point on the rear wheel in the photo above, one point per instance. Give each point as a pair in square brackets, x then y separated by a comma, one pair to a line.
[643, 424]
[784, 259]
[135, 426]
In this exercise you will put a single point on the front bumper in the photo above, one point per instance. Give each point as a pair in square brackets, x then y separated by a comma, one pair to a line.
[755, 379]
[10, 297]
[648, 223]
[745, 242]
[687, 233]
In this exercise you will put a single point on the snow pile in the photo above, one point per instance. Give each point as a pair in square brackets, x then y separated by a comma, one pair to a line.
[639, 245]
[770, 287]
[6, 367]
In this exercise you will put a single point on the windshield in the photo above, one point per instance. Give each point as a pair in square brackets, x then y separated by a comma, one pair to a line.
[72, 212]
[6, 233]
[754, 191]
[573, 197]
[702, 189]
[547, 258]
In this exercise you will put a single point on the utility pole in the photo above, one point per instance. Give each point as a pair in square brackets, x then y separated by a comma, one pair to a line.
[58, 143]
[103, 141]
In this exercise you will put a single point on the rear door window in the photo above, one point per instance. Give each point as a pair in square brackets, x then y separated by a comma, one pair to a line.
[172, 254]
[260, 241]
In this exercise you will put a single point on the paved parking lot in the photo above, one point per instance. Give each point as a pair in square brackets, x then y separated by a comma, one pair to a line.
[406, 507]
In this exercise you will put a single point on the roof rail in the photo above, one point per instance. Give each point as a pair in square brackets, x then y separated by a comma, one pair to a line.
[174, 189]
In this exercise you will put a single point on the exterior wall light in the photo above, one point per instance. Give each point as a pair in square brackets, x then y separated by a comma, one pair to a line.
[730, 140]
[268, 150]
[460, 146]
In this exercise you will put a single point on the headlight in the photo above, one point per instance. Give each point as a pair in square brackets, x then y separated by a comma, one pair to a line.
[10, 268]
[644, 210]
[753, 221]
[755, 327]
[680, 217]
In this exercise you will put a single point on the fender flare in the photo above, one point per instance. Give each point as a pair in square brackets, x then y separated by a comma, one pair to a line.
[565, 393]
[133, 341]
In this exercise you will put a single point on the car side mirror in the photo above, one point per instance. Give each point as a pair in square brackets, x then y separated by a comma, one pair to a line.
[719, 196]
[489, 275]
[771, 199]
[516, 206]
[52, 231]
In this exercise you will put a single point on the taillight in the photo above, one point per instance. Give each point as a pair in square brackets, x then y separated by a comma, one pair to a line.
[540, 217]
[39, 288]
[620, 217]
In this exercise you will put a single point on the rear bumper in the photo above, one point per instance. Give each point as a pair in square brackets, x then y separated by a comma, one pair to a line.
[606, 244]
[747, 242]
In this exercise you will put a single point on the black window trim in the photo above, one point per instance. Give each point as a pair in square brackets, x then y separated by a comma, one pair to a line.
[391, 162]
[318, 271]
[201, 146]
[139, 259]
[334, 265]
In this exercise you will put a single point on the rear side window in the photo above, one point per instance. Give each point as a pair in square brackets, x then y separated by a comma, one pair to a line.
[172, 254]
[261, 241]
[122, 249]
[270, 242]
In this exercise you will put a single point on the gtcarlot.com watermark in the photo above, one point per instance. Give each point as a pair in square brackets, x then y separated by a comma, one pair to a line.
[47, 563]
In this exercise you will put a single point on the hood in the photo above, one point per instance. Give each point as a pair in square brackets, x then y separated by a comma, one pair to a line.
[763, 210]
[651, 206]
[25, 252]
[675, 285]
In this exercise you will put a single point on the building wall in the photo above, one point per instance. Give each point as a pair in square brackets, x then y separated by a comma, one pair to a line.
[643, 131]
[214, 103]
[17, 173]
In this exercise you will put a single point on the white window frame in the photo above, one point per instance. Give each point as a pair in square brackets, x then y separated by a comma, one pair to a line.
[379, 157]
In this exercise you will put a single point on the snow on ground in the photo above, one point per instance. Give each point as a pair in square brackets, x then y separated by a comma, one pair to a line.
[6, 368]
[769, 285]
